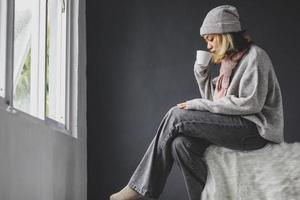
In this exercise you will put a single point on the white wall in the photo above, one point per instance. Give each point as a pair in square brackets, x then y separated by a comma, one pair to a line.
[39, 163]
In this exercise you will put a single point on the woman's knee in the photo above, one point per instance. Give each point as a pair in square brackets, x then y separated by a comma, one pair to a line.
[173, 110]
[176, 114]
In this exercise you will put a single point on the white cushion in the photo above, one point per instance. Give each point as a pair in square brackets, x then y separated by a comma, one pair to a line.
[270, 173]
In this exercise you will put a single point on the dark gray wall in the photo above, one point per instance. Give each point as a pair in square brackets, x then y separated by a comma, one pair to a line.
[140, 64]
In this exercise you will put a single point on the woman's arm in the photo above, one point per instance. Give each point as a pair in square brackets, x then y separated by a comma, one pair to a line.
[203, 78]
[253, 89]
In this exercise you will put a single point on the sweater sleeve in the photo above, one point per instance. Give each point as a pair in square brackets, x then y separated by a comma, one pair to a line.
[203, 78]
[253, 89]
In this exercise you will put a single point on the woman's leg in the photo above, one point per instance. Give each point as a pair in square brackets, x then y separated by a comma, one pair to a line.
[229, 131]
[188, 155]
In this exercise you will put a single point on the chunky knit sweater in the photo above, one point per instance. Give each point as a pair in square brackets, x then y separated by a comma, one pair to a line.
[254, 94]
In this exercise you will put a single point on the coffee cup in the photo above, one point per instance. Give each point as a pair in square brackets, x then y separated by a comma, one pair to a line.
[203, 57]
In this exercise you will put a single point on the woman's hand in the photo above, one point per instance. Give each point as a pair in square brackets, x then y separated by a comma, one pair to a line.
[182, 105]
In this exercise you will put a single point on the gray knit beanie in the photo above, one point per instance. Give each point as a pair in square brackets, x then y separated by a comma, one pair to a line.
[222, 19]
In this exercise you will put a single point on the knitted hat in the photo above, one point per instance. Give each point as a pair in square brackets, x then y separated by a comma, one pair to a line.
[222, 19]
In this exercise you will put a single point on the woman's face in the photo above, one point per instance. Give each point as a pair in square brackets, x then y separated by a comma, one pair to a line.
[213, 42]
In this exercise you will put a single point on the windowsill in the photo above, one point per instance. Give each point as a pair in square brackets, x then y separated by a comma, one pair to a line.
[48, 123]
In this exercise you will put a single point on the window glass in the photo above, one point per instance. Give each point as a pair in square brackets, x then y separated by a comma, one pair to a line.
[56, 61]
[23, 22]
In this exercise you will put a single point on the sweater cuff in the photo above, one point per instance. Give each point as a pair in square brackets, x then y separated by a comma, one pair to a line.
[200, 67]
[194, 104]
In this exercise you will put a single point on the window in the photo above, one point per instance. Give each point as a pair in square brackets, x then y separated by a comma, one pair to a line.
[35, 59]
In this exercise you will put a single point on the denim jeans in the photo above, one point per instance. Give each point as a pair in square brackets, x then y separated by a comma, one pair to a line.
[183, 136]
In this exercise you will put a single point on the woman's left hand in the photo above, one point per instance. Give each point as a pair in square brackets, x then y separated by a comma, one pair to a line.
[183, 105]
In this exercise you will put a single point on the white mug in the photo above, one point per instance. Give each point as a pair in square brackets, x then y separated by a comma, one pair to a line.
[203, 57]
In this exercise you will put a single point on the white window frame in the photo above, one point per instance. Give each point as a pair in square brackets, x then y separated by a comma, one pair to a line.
[71, 72]
[57, 100]
[3, 18]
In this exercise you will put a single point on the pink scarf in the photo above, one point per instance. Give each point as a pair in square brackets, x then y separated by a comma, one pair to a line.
[223, 81]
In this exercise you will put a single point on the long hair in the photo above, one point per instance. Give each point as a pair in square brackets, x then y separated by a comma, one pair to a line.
[230, 44]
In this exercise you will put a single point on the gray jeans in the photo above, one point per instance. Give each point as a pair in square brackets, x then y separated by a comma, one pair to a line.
[182, 136]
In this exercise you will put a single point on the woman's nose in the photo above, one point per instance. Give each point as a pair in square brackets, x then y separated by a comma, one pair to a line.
[209, 46]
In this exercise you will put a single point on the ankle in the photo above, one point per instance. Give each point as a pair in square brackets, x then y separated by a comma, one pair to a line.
[127, 193]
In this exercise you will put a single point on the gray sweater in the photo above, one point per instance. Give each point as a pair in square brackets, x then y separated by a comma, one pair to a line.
[254, 94]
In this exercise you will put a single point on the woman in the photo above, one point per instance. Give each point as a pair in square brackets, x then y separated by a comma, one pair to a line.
[240, 109]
